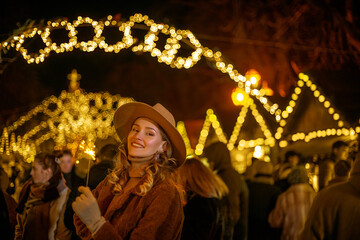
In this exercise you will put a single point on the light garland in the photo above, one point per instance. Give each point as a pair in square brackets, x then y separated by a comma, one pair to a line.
[168, 55]
[182, 130]
[268, 140]
[70, 118]
[303, 82]
[56, 127]
[210, 120]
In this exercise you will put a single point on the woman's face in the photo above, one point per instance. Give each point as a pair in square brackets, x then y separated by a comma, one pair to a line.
[66, 163]
[39, 174]
[145, 139]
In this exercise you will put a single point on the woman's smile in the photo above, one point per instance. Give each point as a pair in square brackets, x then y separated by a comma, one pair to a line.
[144, 139]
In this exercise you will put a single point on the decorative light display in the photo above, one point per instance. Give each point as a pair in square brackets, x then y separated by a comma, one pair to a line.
[239, 97]
[166, 54]
[210, 120]
[268, 140]
[254, 77]
[79, 118]
[304, 81]
[182, 130]
[73, 120]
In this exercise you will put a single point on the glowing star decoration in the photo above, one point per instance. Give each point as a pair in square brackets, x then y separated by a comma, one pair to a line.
[74, 79]
[168, 54]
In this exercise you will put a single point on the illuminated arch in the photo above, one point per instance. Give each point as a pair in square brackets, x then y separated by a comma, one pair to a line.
[149, 44]
[27, 143]
[68, 119]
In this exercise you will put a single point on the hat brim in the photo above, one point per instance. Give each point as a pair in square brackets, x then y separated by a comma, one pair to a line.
[126, 115]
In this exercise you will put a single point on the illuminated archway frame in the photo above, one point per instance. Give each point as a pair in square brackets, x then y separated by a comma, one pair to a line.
[139, 21]
[168, 56]
[72, 120]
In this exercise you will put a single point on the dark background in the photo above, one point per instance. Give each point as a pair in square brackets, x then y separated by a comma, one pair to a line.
[278, 38]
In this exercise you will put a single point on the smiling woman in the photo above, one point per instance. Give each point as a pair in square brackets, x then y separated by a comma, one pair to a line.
[138, 200]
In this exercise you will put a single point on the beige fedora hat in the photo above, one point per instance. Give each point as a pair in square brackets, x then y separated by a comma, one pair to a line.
[126, 115]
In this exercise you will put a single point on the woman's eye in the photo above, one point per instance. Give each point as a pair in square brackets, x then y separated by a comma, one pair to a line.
[134, 130]
[150, 134]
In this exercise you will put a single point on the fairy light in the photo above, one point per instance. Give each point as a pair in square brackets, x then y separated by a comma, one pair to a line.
[303, 81]
[69, 119]
[57, 128]
[182, 130]
[210, 120]
[168, 55]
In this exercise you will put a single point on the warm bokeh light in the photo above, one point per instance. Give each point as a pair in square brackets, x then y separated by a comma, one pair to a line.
[239, 97]
[253, 77]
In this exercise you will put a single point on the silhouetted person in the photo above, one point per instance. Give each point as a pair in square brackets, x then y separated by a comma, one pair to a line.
[340, 151]
[219, 158]
[282, 170]
[292, 206]
[104, 163]
[73, 181]
[335, 212]
[202, 208]
[7, 209]
[342, 172]
[262, 199]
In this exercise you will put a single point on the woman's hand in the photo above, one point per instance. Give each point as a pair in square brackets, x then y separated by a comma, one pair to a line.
[87, 208]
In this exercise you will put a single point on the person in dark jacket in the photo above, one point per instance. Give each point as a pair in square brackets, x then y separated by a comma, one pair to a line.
[73, 182]
[335, 211]
[7, 209]
[202, 210]
[104, 163]
[237, 201]
[262, 199]
[342, 172]
[339, 151]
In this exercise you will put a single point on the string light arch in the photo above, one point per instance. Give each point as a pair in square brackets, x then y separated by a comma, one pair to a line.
[72, 120]
[169, 55]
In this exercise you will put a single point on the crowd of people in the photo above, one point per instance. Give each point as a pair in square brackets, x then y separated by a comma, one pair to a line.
[147, 188]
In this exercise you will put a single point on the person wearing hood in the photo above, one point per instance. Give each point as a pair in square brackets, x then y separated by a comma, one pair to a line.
[335, 212]
[139, 199]
[237, 200]
[42, 202]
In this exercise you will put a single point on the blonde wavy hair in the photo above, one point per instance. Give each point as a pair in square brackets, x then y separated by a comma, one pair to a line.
[195, 177]
[161, 166]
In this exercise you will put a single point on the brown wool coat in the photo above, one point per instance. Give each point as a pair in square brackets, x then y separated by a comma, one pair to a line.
[157, 215]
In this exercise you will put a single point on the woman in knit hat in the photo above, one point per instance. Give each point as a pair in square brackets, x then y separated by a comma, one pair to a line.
[138, 200]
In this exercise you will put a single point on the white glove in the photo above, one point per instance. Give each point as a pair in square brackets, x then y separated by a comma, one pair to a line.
[87, 208]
